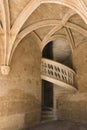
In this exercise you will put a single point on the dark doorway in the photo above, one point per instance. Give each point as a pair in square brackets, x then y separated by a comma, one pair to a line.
[47, 94]
[48, 51]
[47, 87]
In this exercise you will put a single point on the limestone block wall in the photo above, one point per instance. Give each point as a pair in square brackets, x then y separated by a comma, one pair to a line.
[74, 106]
[80, 65]
[20, 94]
[58, 92]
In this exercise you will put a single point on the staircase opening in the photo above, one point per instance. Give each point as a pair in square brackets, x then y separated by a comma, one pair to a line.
[47, 95]
[47, 87]
[59, 51]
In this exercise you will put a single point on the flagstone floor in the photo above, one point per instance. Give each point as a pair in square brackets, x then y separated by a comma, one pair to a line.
[60, 125]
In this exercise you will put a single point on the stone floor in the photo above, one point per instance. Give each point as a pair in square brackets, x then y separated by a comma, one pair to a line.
[60, 125]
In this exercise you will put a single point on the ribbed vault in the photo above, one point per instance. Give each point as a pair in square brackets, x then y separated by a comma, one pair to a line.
[47, 19]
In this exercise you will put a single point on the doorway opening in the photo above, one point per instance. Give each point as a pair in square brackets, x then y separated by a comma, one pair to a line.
[47, 94]
[47, 87]
[60, 51]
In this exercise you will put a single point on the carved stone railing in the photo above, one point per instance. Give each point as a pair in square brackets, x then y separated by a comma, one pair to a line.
[57, 73]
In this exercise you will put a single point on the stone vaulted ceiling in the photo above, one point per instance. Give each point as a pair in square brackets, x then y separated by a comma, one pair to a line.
[47, 20]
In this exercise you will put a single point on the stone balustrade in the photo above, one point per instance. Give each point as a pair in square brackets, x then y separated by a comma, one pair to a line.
[53, 71]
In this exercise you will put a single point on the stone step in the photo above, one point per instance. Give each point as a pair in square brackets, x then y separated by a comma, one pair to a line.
[47, 112]
[48, 115]
[47, 120]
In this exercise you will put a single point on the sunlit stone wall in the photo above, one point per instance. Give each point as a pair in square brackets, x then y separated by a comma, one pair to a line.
[20, 94]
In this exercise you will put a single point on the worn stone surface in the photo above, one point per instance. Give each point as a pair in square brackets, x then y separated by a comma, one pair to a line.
[80, 65]
[60, 125]
[20, 98]
[73, 107]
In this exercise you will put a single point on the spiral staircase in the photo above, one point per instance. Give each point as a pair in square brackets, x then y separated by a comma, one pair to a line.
[60, 75]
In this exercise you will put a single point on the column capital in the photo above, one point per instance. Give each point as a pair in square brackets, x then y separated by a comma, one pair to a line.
[5, 69]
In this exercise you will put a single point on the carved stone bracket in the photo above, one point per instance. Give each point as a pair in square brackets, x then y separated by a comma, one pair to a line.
[5, 70]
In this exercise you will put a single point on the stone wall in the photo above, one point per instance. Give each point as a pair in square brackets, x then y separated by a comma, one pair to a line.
[59, 92]
[80, 65]
[20, 94]
[74, 106]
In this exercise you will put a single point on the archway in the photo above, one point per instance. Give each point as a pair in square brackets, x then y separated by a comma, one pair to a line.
[60, 51]
[47, 87]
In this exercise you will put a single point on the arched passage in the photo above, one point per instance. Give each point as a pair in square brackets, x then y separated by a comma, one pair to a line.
[59, 51]
[47, 87]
